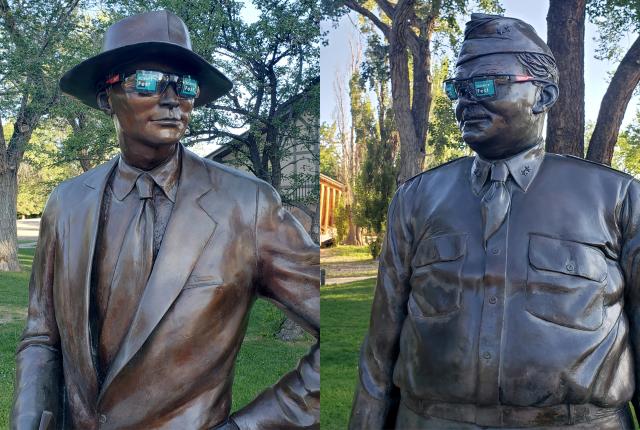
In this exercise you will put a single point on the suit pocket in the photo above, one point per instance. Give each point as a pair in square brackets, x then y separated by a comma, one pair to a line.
[565, 282]
[435, 278]
[199, 281]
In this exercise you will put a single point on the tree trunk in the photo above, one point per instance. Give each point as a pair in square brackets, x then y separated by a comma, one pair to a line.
[565, 37]
[614, 105]
[315, 223]
[8, 228]
[353, 237]
[412, 143]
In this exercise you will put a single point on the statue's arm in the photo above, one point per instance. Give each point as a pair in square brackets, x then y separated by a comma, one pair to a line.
[288, 274]
[630, 262]
[38, 367]
[376, 398]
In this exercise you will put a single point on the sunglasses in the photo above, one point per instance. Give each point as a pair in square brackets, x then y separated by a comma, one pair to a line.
[149, 82]
[483, 87]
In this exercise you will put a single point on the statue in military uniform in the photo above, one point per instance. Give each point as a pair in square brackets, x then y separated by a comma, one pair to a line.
[508, 291]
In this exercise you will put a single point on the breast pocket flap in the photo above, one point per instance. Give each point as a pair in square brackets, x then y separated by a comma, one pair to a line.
[441, 248]
[195, 281]
[568, 257]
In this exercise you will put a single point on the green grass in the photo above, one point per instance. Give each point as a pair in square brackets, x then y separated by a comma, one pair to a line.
[345, 310]
[261, 362]
[345, 253]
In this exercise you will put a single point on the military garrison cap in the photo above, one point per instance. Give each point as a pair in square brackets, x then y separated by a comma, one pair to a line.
[495, 34]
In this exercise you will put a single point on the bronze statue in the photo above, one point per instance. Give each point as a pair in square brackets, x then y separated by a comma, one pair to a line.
[508, 287]
[148, 265]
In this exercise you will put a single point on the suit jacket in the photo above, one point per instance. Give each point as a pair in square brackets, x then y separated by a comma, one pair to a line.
[227, 242]
[544, 315]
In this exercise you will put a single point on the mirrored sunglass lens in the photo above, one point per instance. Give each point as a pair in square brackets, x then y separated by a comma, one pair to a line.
[188, 88]
[148, 82]
[484, 88]
[450, 89]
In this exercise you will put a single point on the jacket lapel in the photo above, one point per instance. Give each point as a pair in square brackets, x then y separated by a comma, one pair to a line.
[187, 233]
[83, 229]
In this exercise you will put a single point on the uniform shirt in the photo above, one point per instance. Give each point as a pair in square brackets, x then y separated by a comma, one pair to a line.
[534, 318]
[120, 205]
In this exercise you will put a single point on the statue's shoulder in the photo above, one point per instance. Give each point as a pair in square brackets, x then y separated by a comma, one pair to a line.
[451, 166]
[593, 167]
[231, 176]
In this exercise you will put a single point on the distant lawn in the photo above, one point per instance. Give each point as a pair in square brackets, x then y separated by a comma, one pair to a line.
[262, 360]
[344, 261]
[342, 253]
[345, 310]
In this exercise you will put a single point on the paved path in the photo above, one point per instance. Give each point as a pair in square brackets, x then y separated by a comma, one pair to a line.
[28, 230]
[329, 281]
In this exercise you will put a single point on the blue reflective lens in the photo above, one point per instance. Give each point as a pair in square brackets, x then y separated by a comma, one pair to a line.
[450, 89]
[147, 81]
[484, 87]
[189, 87]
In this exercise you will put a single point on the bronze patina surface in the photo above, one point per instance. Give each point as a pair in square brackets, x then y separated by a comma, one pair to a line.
[148, 265]
[508, 288]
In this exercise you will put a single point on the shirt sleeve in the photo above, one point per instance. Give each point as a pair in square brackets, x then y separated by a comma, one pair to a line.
[289, 276]
[38, 367]
[630, 262]
[375, 399]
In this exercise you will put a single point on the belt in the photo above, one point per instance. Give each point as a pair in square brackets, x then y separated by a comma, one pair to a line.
[509, 416]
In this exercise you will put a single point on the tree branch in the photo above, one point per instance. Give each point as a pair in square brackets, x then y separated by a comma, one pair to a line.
[353, 5]
[386, 7]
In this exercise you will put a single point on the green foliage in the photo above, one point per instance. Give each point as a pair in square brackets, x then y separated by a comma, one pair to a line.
[375, 246]
[341, 220]
[40, 172]
[376, 180]
[445, 141]
[329, 157]
[627, 151]
[614, 19]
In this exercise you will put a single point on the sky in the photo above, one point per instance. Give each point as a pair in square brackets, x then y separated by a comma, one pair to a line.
[335, 57]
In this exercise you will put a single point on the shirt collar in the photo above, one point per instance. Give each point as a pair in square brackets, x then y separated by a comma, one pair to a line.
[165, 176]
[523, 167]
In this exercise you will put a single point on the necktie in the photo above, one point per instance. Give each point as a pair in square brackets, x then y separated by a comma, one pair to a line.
[131, 273]
[496, 201]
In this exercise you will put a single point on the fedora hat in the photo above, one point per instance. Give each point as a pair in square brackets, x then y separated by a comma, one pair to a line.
[159, 35]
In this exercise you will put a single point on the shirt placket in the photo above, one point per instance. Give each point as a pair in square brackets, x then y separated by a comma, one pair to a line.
[492, 320]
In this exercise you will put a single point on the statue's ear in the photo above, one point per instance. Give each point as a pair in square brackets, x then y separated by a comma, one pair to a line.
[102, 99]
[546, 98]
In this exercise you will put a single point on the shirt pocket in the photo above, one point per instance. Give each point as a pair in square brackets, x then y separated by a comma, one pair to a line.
[565, 283]
[435, 278]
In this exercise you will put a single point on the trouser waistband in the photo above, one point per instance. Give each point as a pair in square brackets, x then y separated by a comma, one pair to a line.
[509, 416]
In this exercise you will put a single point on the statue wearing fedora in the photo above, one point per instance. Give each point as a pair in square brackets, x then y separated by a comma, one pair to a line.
[147, 266]
[508, 293]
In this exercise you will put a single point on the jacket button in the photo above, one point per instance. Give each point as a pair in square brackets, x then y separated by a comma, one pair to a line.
[487, 355]
[570, 267]
[103, 419]
[493, 300]
[495, 251]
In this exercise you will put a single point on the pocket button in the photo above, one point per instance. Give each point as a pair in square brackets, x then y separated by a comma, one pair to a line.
[570, 267]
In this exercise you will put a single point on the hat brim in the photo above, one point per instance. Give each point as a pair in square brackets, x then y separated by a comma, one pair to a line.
[81, 81]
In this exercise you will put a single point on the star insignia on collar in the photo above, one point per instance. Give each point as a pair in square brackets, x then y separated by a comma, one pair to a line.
[525, 170]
